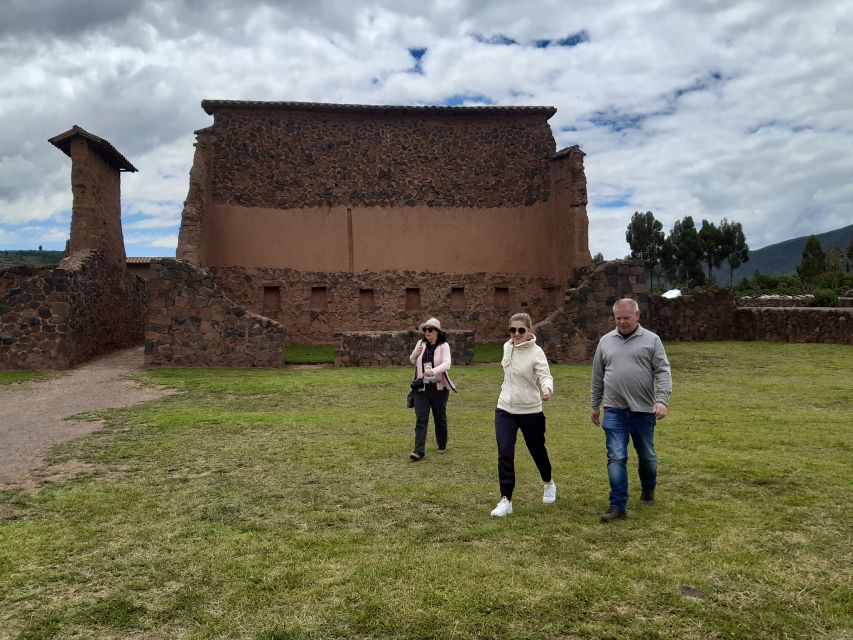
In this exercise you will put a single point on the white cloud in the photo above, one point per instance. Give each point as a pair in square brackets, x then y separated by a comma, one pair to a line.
[711, 109]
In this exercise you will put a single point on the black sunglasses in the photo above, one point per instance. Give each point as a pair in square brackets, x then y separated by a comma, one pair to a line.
[521, 330]
[429, 329]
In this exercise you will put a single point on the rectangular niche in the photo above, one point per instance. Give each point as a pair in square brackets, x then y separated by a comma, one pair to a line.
[413, 299]
[319, 299]
[366, 300]
[502, 298]
[272, 298]
[555, 296]
[457, 297]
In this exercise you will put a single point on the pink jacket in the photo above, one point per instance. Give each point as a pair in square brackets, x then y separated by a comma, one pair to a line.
[440, 366]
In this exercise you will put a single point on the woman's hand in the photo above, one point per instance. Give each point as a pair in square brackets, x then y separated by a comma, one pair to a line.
[420, 350]
[429, 373]
[546, 393]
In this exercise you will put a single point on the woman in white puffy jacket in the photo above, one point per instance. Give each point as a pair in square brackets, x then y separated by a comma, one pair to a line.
[527, 382]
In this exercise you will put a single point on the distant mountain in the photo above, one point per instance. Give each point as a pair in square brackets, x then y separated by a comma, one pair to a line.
[782, 258]
[15, 258]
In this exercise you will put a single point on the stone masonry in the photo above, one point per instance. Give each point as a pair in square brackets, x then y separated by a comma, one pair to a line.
[316, 305]
[714, 315]
[58, 317]
[571, 333]
[332, 217]
[191, 323]
[332, 155]
[392, 348]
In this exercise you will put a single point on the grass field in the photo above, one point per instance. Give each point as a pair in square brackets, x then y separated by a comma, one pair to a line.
[12, 377]
[12, 258]
[281, 504]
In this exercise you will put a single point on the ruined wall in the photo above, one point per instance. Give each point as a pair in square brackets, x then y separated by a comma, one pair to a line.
[192, 237]
[96, 187]
[191, 323]
[392, 348]
[311, 157]
[316, 305]
[714, 315]
[58, 317]
[571, 333]
[709, 315]
[813, 324]
[337, 188]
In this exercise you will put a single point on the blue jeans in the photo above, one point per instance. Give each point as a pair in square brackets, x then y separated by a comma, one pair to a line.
[619, 425]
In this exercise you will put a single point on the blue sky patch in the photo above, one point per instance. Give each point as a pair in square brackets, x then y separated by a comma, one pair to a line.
[497, 38]
[418, 55]
[572, 40]
[461, 98]
[614, 203]
[617, 121]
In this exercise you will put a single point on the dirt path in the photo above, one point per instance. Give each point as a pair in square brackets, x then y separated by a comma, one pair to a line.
[33, 415]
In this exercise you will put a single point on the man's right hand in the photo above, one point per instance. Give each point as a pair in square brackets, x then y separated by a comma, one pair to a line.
[596, 418]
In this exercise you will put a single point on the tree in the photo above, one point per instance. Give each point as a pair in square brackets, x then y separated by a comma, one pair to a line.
[711, 247]
[733, 245]
[683, 254]
[814, 261]
[850, 255]
[645, 237]
[598, 258]
[835, 261]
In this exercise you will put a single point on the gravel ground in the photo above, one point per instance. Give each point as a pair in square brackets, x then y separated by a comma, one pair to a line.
[33, 416]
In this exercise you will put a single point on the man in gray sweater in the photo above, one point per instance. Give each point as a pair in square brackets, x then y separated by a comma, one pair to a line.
[631, 379]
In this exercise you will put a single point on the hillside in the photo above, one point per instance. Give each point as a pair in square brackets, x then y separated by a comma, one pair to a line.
[14, 258]
[782, 258]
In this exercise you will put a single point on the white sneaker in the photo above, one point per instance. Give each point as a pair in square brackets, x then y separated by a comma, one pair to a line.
[550, 495]
[504, 508]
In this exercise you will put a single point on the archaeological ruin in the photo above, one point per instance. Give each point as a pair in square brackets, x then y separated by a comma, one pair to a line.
[350, 224]
[336, 218]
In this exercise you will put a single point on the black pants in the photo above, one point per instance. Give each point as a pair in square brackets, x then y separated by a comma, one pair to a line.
[532, 427]
[430, 398]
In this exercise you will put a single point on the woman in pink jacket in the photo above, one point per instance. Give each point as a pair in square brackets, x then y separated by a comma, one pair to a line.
[431, 358]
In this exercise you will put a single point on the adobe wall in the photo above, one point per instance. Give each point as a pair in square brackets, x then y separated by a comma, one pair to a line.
[378, 301]
[571, 333]
[192, 323]
[58, 317]
[96, 187]
[332, 188]
[392, 348]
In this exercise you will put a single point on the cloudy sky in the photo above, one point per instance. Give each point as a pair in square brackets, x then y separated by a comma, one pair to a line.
[740, 109]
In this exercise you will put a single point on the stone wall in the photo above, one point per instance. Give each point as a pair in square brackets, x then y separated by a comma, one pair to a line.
[785, 301]
[58, 317]
[392, 348]
[714, 315]
[316, 305]
[284, 155]
[191, 323]
[709, 315]
[832, 325]
[571, 333]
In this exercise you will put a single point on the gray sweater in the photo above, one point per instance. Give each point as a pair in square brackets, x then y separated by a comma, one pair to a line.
[630, 373]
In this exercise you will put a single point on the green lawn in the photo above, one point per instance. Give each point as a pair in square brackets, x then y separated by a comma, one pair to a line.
[310, 354]
[281, 504]
[12, 377]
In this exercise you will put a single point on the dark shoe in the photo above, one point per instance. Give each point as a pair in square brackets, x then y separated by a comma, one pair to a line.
[442, 450]
[414, 456]
[648, 496]
[615, 513]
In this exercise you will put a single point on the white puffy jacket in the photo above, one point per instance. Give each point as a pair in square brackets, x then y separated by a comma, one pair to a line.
[526, 375]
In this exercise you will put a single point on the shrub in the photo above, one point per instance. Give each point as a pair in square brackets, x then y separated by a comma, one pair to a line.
[824, 298]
